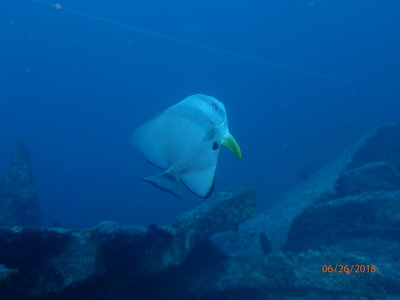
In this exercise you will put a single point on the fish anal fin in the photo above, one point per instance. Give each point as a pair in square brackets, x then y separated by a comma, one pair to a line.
[211, 191]
[167, 182]
[200, 182]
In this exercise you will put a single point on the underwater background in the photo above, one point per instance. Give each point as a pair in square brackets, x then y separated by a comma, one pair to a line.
[301, 81]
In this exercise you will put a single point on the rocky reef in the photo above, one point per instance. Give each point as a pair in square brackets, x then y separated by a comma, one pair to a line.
[113, 262]
[347, 214]
[19, 204]
[337, 236]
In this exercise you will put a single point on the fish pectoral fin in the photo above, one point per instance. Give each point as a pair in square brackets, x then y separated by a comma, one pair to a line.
[209, 135]
[167, 182]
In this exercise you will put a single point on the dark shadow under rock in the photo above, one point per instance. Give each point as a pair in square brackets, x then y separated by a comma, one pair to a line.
[6, 273]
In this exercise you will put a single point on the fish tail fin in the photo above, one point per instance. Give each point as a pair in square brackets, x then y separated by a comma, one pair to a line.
[167, 182]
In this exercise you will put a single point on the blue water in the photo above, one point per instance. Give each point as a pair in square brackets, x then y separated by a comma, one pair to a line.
[75, 88]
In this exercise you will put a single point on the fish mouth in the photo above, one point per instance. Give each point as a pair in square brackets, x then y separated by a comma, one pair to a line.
[231, 143]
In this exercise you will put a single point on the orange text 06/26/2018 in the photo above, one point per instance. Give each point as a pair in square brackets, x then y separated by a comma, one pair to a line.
[348, 269]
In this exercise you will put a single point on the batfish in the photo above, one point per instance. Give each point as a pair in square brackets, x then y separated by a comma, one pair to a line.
[185, 141]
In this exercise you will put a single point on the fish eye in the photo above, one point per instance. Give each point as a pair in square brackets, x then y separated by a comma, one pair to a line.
[215, 146]
[214, 106]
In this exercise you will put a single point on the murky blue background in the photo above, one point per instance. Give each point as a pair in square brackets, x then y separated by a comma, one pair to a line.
[75, 88]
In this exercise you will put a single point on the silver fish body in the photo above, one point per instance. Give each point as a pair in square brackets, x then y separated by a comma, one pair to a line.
[185, 140]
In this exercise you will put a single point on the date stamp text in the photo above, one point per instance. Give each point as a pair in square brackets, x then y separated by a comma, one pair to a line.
[347, 269]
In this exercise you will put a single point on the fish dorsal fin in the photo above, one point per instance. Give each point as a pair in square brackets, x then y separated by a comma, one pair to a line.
[148, 139]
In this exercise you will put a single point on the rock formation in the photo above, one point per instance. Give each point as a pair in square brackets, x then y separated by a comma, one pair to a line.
[347, 214]
[109, 261]
[18, 200]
